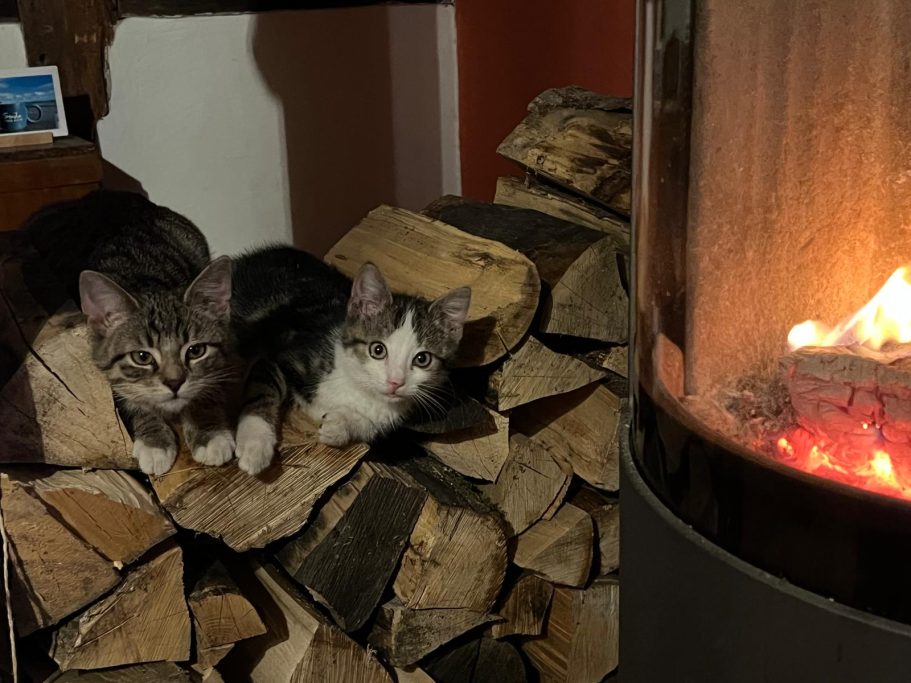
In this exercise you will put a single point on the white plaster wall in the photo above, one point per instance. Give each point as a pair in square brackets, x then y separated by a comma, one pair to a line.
[282, 126]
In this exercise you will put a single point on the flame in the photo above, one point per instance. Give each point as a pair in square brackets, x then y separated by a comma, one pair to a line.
[885, 318]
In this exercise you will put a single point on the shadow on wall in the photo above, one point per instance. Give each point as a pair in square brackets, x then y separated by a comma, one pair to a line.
[346, 84]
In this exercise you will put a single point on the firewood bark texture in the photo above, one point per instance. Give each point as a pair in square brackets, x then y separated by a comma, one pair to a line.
[582, 270]
[579, 140]
[55, 407]
[418, 255]
[478, 661]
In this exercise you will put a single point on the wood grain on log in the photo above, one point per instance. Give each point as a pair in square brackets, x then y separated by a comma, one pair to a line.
[299, 644]
[523, 608]
[560, 548]
[478, 451]
[362, 529]
[533, 371]
[531, 485]
[615, 359]
[406, 635]
[478, 661]
[159, 672]
[528, 193]
[144, 620]
[583, 270]
[222, 616]
[412, 675]
[53, 572]
[250, 512]
[581, 428]
[418, 255]
[55, 406]
[581, 637]
[581, 143]
[605, 513]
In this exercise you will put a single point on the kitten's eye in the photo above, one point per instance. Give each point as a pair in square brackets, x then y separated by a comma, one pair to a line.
[423, 359]
[377, 350]
[195, 352]
[141, 357]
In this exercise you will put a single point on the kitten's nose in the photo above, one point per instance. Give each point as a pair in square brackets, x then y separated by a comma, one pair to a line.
[173, 384]
[392, 385]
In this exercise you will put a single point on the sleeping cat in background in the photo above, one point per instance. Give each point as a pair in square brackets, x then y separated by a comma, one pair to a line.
[356, 357]
[159, 316]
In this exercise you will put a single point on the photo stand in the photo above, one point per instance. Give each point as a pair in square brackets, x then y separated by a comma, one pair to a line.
[26, 139]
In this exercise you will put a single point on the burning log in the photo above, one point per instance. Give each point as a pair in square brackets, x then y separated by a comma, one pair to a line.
[478, 451]
[523, 608]
[419, 255]
[559, 549]
[579, 140]
[582, 270]
[55, 407]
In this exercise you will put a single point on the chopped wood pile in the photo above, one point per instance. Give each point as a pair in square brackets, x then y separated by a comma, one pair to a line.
[480, 545]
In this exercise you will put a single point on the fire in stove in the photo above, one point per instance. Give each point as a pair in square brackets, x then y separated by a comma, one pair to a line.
[850, 389]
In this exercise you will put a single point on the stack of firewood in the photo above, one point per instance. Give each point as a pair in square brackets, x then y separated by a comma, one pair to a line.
[479, 545]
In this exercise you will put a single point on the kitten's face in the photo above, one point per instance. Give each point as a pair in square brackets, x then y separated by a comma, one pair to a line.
[162, 351]
[401, 345]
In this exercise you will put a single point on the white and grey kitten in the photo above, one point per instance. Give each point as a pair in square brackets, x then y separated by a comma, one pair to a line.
[356, 357]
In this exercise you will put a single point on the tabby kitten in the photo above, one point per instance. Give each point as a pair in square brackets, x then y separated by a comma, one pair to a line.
[159, 316]
[356, 357]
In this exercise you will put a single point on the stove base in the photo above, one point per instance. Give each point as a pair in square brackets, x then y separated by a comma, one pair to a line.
[693, 612]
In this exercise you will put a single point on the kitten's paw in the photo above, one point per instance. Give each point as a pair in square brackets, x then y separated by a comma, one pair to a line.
[154, 460]
[333, 431]
[255, 444]
[218, 450]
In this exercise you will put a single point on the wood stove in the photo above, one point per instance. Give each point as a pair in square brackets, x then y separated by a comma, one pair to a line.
[767, 528]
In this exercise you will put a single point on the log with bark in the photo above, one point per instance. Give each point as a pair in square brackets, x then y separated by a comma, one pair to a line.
[523, 608]
[478, 451]
[579, 140]
[157, 672]
[581, 637]
[299, 643]
[482, 660]
[418, 255]
[528, 193]
[583, 270]
[605, 513]
[55, 407]
[250, 512]
[144, 620]
[560, 548]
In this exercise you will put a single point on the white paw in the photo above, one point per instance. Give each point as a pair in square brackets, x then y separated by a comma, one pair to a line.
[153, 460]
[333, 431]
[218, 451]
[255, 444]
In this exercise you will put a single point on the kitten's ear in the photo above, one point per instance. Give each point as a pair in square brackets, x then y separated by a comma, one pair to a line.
[103, 301]
[451, 310]
[369, 293]
[212, 287]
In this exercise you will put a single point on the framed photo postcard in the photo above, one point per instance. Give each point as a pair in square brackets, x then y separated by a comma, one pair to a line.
[31, 101]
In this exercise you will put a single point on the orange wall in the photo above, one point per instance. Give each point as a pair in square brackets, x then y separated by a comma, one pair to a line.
[511, 50]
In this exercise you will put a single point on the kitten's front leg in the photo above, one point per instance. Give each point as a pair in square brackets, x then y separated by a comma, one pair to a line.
[208, 434]
[154, 444]
[343, 426]
[256, 429]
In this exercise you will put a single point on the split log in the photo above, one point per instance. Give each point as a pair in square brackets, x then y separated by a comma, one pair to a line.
[528, 193]
[579, 140]
[144, 620]
[532, 372]
[222, 616]
[478, 451]
[159, 672]
[299, 644]
[456, 555]
[581, 641]
[55, 407]
[348, 555]
[406, 635]
[605, 513]
[531, 485]
[581, 428]
[523, 608]
[109, 510]
[250, 512]
[421, 256]
[53, 572]
[413, 675]
[583, 270]
[614, 359]
[559, 549]
[478, 661]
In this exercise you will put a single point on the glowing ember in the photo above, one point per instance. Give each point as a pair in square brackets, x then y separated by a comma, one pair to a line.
[885, 318]
[873, 469]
